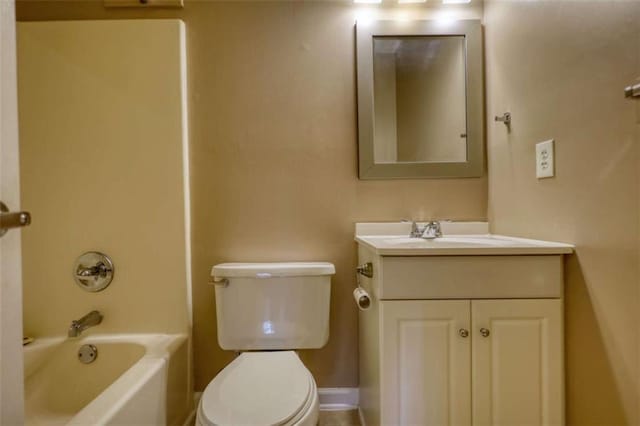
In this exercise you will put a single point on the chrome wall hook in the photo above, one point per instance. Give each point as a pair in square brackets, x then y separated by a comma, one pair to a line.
[632, 91]
[505, 118]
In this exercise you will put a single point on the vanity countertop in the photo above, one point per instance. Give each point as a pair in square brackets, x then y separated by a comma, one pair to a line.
[459, 239]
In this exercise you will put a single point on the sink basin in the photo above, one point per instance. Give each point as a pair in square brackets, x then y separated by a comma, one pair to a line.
[449, 241]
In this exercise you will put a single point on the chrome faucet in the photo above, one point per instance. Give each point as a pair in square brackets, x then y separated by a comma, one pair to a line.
[93, 318]
[432, 230]
[428, 231]
[416, 230]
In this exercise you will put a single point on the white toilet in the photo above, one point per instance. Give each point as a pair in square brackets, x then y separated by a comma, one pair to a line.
[266, 310]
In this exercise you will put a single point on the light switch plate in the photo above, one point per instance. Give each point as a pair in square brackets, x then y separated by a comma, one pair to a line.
[545, 159]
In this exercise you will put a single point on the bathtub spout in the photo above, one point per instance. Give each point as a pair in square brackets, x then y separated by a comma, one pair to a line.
[78, 326]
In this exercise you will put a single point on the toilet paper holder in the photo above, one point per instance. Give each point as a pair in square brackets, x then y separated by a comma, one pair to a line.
[365, 269]
[362, 298]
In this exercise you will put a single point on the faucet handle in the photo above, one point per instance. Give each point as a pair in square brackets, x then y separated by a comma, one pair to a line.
[93, 271]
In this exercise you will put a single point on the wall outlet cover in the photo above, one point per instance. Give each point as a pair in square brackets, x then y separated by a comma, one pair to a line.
[545, 166]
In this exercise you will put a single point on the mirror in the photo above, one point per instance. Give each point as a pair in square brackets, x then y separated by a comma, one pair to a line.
[420, 104]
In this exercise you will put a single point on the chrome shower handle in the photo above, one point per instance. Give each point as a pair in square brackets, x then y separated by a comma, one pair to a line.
[99, 270]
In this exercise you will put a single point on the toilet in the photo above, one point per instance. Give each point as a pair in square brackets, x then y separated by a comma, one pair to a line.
[266, 311]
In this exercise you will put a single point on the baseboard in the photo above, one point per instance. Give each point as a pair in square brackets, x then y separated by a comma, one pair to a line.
[332, 399]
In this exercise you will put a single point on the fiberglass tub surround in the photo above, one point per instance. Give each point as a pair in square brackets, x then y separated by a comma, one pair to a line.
[131, 380]
[104, 75]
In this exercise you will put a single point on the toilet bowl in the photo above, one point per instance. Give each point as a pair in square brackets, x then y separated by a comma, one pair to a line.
[267, 310]
[261, 388]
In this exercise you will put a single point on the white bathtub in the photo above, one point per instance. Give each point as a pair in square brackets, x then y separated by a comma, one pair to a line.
[137, 379]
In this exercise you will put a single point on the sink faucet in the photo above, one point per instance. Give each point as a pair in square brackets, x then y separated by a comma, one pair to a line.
[432, 230]
[428, 231]
[78, 326]
[416, 230]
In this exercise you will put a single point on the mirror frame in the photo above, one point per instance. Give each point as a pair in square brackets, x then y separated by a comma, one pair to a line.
[472, 32]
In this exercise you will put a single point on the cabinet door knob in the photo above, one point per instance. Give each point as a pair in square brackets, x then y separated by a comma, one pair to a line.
[463, 332]
[485, 332]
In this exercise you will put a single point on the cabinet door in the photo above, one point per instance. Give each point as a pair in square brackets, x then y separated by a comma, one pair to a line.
[517, 362]
[425, 365]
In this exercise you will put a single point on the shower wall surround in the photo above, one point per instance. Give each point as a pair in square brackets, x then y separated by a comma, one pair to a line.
[102, 130]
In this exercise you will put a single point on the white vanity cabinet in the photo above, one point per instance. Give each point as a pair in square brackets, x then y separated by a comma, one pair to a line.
[470, 339]
[517, 362]
[464, 362]
[425, 364]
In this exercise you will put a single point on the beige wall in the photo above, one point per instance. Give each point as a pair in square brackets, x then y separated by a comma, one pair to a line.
[559, 68]
[101, 144]
[273, 151]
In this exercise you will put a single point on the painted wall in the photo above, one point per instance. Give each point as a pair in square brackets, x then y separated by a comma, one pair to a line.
[559, 68]
[272, 105]
[101, 152]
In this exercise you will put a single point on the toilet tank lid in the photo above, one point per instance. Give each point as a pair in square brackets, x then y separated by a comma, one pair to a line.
[275, 269]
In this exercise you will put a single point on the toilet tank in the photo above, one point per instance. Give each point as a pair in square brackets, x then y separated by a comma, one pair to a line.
[273, 306]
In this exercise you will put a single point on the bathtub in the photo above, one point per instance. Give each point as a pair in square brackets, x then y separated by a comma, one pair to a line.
[136, 379]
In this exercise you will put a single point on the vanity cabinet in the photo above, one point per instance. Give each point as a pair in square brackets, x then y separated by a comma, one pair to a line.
[468, 339]
[517, 369]
[463, 362]
[426, 364]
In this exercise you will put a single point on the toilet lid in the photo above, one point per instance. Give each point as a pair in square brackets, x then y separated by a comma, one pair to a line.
[257, 388]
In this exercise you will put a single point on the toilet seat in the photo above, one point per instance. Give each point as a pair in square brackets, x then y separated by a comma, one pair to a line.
[259, 388]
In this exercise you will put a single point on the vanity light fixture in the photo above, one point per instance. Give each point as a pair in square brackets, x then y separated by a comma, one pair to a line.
[455, 1]
[411, 1]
